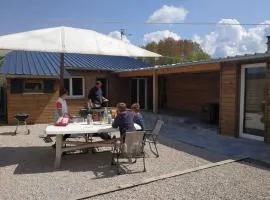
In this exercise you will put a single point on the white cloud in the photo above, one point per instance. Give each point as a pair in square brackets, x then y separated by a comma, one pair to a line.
[230, 40]
[168, 14]
[117, 35]
[159, 35]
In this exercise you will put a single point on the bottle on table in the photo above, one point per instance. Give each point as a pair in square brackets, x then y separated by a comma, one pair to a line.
[89, 119]
[109, 118]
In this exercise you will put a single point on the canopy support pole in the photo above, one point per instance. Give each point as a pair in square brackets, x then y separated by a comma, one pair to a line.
[62, 69]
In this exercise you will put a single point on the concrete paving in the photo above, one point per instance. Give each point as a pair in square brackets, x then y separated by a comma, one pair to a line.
[190, 131]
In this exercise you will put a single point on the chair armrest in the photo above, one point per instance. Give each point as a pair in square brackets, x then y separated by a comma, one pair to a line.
[147, 129]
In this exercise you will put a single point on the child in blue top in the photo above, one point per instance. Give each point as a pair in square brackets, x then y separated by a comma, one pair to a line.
[138, 118]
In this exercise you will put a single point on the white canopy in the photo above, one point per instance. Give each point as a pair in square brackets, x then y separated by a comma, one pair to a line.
[71, 40]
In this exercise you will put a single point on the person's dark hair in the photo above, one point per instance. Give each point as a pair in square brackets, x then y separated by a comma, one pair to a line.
[62, 92]
[135, 107]
[121, 107]
[98, 83]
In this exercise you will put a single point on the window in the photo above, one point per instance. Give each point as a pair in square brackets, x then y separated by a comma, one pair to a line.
[75, 87]
[32, 86]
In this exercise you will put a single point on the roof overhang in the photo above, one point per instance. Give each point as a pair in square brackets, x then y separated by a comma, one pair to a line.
[196, 68]
[11, 76]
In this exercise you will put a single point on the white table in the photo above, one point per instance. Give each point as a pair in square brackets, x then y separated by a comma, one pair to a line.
[77, 129]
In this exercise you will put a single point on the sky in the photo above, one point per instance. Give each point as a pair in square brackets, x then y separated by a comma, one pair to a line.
[134, 16]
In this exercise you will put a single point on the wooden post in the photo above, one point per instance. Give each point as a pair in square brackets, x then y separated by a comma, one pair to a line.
[62, 69]
[155, 93]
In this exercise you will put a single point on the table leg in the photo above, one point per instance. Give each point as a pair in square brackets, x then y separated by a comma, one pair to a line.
[58, 153]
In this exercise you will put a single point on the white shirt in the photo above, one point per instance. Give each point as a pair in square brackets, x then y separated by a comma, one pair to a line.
[61, 104]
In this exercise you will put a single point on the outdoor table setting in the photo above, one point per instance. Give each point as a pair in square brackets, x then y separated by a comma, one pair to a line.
[79, 128]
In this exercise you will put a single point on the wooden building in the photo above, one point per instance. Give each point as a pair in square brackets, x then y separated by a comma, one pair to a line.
[238, 85]
[32, 82]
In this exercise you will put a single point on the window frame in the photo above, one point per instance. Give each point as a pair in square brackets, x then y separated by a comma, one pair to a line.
[70, 92]
[26, 91]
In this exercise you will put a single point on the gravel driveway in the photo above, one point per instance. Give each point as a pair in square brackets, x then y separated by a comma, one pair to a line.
[26, 171]
[231, 181]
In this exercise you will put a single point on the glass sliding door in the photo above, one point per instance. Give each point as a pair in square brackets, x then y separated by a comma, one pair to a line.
[253, 95]
[139, 92]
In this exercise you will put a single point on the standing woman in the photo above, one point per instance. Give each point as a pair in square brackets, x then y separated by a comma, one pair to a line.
[61, 104]
[61, 108]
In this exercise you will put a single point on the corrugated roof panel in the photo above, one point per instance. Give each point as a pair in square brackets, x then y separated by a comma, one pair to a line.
[51, 63]
[39, 65]
[25, 65]
[31, 61]
[47, 64]
[18, 64]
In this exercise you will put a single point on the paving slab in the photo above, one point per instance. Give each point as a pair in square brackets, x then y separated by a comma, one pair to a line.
[189, 131]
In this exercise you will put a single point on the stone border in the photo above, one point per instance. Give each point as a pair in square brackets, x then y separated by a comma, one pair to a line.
[158, 178]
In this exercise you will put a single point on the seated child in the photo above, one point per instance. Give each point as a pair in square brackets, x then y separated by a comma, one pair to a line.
[138, 118]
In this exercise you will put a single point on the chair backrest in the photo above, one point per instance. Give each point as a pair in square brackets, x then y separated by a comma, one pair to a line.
[134, 142]
[157, 127]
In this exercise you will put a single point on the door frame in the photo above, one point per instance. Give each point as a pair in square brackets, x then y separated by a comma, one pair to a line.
[242, 101]
[145, 91]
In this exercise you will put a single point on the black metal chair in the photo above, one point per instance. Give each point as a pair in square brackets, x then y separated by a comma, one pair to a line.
[151, 136]
[21, 119]
[131, 148]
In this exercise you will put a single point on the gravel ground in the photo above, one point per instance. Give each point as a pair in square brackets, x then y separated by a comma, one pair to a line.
[26, 167]
[230, 181]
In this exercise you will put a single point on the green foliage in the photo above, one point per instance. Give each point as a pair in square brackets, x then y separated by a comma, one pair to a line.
[176, 51]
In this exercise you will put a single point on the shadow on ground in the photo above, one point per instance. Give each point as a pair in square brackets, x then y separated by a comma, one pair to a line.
[31, 160]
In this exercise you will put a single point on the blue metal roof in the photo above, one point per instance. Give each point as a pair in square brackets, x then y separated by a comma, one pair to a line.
[47, 64]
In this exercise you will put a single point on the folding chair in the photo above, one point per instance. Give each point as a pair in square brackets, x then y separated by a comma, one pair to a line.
[131, 148]
[151, 136]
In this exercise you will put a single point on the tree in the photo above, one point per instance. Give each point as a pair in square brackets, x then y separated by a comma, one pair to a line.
[176, 51]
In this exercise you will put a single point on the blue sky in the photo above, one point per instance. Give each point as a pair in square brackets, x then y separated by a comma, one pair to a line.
[33, 14]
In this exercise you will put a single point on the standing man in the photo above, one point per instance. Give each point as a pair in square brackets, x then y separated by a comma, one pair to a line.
[95, 96]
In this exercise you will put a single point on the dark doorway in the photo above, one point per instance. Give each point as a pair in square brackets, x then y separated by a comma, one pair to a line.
[3, 105]
[162, 96]
[133, 91]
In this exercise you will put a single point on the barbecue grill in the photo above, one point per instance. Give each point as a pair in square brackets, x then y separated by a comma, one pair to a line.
[21, 119]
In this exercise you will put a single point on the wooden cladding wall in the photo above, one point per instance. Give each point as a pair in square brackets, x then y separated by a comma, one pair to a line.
[119, 90]
[188, 92]
[229, 99]
[41, 107]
